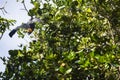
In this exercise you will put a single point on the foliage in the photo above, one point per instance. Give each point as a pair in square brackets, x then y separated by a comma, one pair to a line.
[78, 40]
[4, 24]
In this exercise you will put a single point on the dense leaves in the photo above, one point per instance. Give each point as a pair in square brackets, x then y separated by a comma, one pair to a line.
[77, 40]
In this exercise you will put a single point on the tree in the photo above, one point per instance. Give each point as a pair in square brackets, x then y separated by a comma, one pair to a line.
[78, 40]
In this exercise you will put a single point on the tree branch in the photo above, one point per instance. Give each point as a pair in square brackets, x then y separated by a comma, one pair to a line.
[1, 36]
[25, 8]
[3, 8]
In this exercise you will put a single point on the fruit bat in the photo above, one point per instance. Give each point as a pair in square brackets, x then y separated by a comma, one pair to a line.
[30, 25]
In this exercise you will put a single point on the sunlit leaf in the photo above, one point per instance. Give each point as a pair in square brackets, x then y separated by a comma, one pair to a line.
[68, 71]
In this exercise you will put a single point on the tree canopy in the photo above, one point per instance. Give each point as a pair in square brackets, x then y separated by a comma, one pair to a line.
[78, 40]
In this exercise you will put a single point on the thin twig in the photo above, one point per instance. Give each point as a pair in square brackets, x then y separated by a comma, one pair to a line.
[1, 36]
[5, 3]
[3, 12]
[3, 8]
[26, 9]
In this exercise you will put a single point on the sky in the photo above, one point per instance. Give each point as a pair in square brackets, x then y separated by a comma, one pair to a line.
[14, 12]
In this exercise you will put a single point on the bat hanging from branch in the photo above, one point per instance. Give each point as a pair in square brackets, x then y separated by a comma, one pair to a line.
[29, 26]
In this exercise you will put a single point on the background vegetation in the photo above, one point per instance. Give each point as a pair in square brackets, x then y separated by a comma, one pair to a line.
[78, 40]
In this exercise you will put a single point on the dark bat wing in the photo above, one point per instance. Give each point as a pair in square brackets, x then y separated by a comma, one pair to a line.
[12, 32]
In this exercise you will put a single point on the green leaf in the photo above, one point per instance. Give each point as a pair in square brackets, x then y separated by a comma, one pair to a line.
[68, 71]
[13, 53]
[71, 56]
[62, 69]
